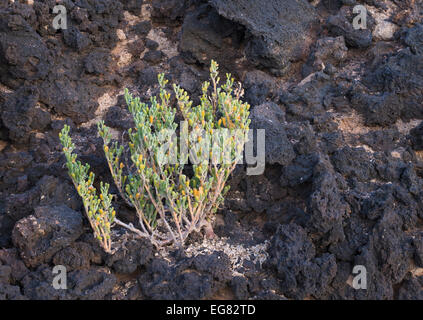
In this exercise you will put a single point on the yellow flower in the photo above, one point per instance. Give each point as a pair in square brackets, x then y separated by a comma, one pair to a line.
[106, 148]
[121, 165]
[101, 197]
[195, 192]
[140, 158]
[151, 119]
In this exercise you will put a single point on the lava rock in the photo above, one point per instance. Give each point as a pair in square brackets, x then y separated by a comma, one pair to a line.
[9, 292]
[270, 117]
[414, 39]
[117, 117]
[49, 230]
[281, 30]
[48, 191]
[327, 51]
[21, 114]
[418, 245]
[258, 86]
[170, 11]
[299, 171]
[191, 278]
[301, 274]
[136, 253]
[411, 288]
[396, 86]
[153, 56]
[142, 28]
[74, 257]
[354, 162]
[239, 286]
[75, 39]
[327, 206]
[341, 25]
[91, 284]
[416, 136]
[97, 62]
[23, 53]
[9, 257]
[133, 6]
[205, 35]
[148, 77]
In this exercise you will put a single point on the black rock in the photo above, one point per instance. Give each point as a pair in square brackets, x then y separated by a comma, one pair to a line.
[280, 29]
[270, 117]
[49, 230]
[342, 25]
[153, 57]
[142, 28]
[75, 39]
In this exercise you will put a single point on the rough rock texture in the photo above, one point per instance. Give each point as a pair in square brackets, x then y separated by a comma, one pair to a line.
[280, 30]
[327, 53]
[269, 116]
[93, 284]
[135, 254]
[342, 109]
[41, 235]
[192, 278]
[294, 256]
[205, 35]
[21, 115]
[400, 79]
[342, 25]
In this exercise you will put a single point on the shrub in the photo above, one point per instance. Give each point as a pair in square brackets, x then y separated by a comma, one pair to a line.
[98, 209]
[171, 199]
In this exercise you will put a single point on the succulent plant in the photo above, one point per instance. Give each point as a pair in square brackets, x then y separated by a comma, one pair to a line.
[169, 202]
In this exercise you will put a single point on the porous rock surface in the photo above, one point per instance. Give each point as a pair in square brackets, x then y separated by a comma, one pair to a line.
[342, 109]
